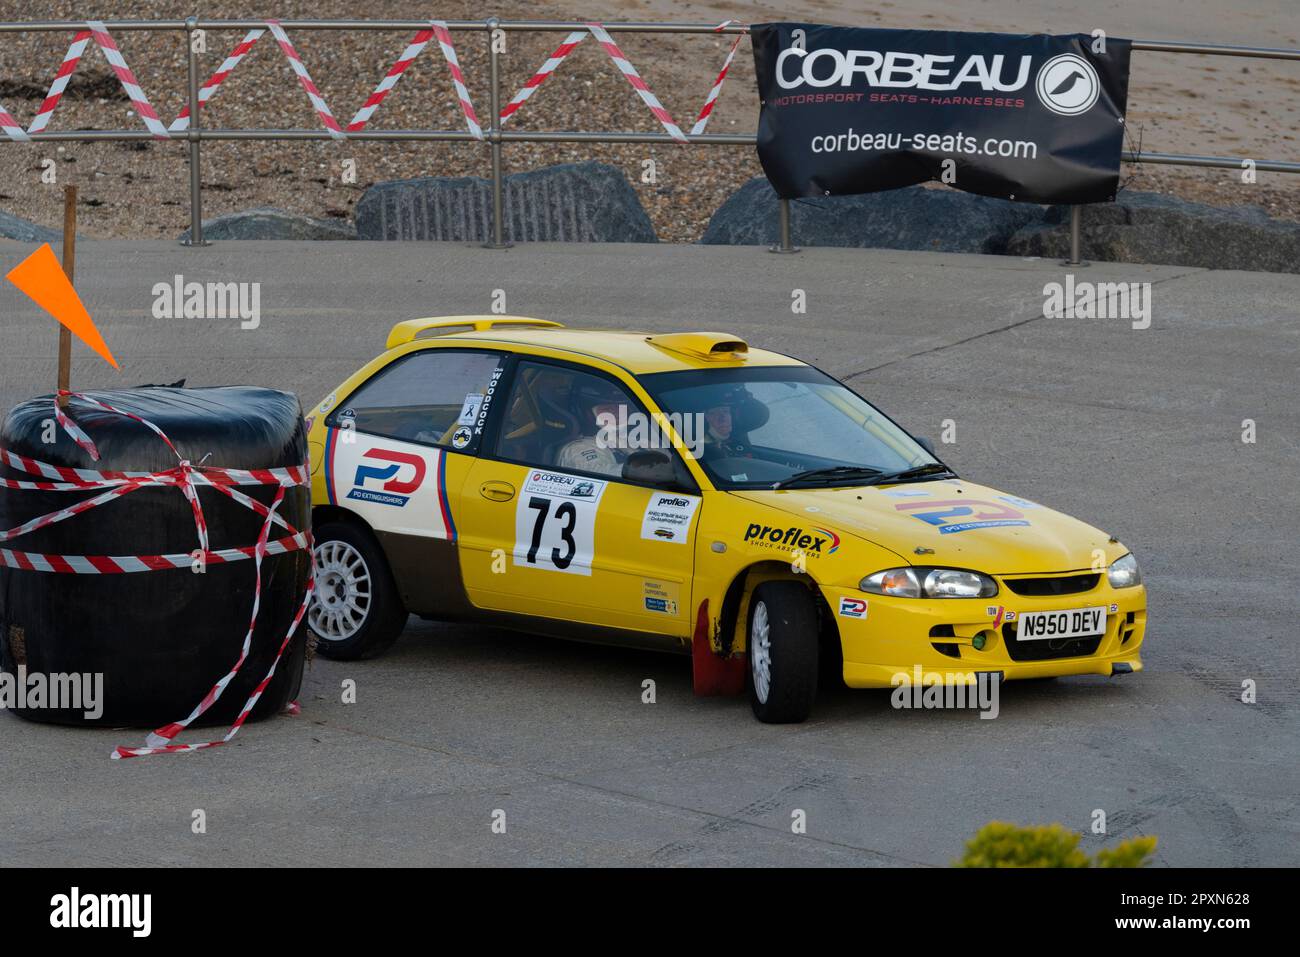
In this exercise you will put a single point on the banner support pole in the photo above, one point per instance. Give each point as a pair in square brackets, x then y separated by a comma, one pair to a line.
[1076, 237]
[69, 267]
[786, 244]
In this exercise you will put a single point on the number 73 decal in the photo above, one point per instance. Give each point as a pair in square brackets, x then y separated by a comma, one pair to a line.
[555, 522]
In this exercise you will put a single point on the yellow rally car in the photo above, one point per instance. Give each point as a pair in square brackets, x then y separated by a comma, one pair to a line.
[686, 492]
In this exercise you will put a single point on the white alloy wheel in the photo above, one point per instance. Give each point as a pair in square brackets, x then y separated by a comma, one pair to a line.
[760, 652]
[342, 600]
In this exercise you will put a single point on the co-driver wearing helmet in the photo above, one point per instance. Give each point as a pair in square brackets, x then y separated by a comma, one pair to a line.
[596, 406]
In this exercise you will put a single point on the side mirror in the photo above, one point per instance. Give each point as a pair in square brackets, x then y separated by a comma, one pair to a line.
[926, 444]
[660, 469]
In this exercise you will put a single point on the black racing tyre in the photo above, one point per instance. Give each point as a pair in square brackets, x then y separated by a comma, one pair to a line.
[356, 611]
[783, 652]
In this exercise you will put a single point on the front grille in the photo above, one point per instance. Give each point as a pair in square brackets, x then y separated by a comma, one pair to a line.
[1047, 587]
[1047, 649]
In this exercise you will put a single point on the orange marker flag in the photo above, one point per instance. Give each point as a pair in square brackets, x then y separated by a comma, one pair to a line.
[42, 278]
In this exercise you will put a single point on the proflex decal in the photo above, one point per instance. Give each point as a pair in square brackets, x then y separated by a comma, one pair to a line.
[668, 517]
[815, 542]
[962, 515]
[394, 486]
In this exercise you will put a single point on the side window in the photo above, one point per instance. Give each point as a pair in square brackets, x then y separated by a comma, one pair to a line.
[564, 418]
[436, 397]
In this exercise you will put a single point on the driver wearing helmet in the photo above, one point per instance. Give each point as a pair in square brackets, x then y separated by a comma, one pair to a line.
[720, 438]
[595, 405]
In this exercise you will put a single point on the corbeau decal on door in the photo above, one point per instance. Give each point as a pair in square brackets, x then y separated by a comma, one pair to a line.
[555, 524]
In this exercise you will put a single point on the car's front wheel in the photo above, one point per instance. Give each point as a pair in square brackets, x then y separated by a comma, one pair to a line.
[782, 652]
[356, 611]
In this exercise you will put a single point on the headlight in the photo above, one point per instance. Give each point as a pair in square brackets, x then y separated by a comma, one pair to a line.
[929, 583]
[1123, 572]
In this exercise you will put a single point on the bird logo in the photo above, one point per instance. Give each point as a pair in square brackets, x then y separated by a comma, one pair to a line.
[1068, 85]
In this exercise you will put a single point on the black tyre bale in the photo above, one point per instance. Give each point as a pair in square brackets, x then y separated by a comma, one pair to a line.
[161, 639]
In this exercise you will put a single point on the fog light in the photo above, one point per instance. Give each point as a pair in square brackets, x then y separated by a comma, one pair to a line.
[980, 640]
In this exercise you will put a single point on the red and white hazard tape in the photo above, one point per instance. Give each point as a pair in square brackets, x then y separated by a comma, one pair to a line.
[540, 77]
[390, 80]
[707, 110]
[85, 505]
[629, 71]
[108, 45]
[182, 122]
[438, 29]
[12, 128]
[457, 78]
[161, 740]
[88, 478]
[104, 40]
[60, 83]
[187, 477]
[129, 564]
[625, 67]
[313, 94]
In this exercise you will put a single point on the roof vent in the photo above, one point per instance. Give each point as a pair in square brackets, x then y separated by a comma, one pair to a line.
[712, 346]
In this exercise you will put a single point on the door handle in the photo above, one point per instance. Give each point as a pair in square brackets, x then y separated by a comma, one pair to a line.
[497, 491]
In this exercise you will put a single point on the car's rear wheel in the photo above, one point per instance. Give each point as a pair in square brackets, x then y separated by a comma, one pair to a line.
[782, 652]
[356, 611]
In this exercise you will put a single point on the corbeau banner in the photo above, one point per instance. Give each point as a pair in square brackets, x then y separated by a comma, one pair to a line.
[1033, 118]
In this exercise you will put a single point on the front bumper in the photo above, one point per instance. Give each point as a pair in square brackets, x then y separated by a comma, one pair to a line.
[898, 636]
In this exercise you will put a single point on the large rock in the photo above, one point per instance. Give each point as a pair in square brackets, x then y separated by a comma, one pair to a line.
[573, 202]
[265, 222]
[911, 218]
[1155, 228]
[15, 227]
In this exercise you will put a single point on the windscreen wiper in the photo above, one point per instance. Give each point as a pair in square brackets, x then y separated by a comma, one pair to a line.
[830, 473]
[929, 470]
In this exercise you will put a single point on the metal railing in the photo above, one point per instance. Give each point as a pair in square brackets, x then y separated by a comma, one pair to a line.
[495, 137]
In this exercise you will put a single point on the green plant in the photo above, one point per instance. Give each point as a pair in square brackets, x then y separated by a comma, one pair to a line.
[1000, 844]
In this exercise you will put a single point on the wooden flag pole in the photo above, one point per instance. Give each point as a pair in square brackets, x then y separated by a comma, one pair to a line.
[69, 266]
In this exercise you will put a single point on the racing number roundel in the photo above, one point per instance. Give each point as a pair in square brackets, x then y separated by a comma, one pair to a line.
[555, 522]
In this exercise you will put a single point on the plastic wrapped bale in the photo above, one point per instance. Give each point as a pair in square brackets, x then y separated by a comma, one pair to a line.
[160, 638]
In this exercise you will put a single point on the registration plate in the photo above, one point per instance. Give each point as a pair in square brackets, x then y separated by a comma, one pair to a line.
[1068, 623]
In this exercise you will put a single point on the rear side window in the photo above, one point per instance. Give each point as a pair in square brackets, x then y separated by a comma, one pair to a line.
[437, 397]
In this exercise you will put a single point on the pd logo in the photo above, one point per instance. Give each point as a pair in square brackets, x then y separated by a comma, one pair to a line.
[853, 608]
[378, 481]
[960, 515]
